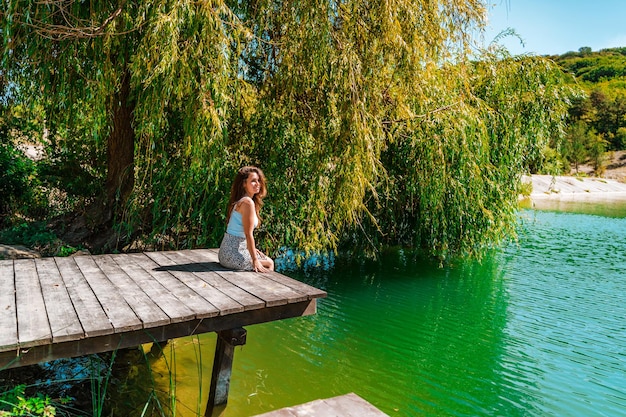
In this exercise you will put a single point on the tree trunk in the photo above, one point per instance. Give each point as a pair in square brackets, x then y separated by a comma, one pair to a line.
[94, 227]
[121, 148]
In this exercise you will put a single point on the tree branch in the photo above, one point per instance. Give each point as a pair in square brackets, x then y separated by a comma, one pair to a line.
[72, 26]
[422, 116]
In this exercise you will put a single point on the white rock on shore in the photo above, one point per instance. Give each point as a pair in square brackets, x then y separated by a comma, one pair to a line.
[575, 188]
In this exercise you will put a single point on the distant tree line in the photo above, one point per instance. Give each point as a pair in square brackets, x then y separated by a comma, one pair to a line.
[597, 120]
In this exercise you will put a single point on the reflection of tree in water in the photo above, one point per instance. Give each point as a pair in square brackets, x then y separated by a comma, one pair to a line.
[431, 339]
[466, 346]
[112, 383]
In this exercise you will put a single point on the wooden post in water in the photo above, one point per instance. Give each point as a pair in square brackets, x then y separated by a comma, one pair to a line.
[222, 366]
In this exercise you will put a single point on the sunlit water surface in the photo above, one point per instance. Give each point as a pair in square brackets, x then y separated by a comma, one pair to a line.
[538, 328]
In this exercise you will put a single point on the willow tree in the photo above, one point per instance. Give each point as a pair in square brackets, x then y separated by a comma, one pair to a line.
[453, 178]
[368, 118]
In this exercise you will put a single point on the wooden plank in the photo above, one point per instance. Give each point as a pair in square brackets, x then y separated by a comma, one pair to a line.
[349, 405]
[8, 314]
[135, 338]
[200, 306]
[92, 317]
[209, 255]
[300, 287]
[284, 412]
[316, 408]
[353, 405]
[221, 301]
[197, 263]
[63, 319]
[144, 307]
[33, 328]
[168, 302]
[121, 316]
[270, 291]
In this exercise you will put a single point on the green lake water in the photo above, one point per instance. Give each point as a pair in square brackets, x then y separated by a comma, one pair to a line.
[538, 328]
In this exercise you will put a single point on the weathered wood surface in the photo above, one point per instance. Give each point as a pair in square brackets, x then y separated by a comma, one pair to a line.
[62, 307]
[349, 405]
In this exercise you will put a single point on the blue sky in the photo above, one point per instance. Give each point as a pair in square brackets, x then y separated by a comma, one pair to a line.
[557, 26]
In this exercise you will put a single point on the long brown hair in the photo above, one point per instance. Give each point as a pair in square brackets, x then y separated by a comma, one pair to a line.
[237, 191]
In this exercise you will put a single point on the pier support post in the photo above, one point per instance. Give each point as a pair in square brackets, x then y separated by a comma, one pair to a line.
[222, 366]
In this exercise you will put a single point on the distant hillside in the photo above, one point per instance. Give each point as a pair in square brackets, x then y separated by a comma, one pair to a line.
[595, 67]
[598, 121]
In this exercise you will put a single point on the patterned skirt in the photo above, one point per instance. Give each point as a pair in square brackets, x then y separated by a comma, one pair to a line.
[234, 253]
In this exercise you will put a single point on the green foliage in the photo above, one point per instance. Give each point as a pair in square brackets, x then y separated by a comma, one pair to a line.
[15, 403]
[552, 162]
[598, 154]
[454, 177]
[595, 67]
[75, 164]
[369, 120]
[22, 191]
[578, 138]
[35, 235]
[30, 234]
[15, 173]
[67, 171]
[620, 138]
[603, 76]
[108, 384]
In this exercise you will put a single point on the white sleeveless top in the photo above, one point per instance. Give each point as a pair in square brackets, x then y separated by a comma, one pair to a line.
[235, 223]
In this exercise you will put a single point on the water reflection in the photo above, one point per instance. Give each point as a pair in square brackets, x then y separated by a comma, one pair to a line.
[569, 310]
[606, 208]
[537, 328]
[412, 338]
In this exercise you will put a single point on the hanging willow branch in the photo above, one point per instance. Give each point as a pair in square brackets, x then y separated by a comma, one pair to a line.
[424, 115]
[70, 26]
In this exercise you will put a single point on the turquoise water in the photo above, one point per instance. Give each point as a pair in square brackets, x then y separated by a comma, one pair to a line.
[538, 328]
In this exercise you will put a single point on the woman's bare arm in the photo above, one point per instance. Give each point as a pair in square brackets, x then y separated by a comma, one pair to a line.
[248, 214]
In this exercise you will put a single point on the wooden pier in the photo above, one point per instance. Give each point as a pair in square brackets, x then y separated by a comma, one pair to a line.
[53, 308]
[349, 405]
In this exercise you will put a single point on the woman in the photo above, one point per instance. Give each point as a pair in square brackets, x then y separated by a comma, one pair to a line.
[238, 249]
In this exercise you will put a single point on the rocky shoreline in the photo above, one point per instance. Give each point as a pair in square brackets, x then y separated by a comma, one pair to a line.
[565, 188]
